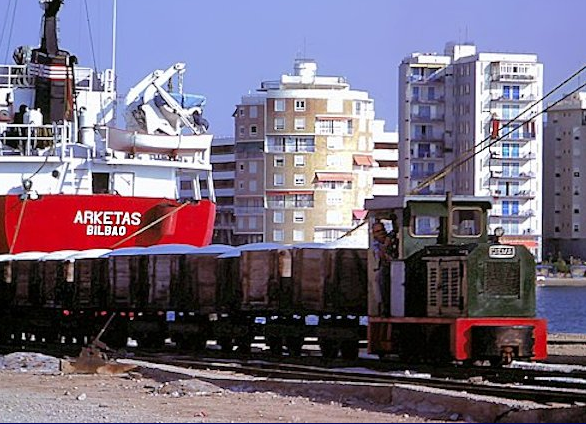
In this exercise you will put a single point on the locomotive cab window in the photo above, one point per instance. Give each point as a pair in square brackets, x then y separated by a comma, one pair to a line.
[425, 226]
[466, 222]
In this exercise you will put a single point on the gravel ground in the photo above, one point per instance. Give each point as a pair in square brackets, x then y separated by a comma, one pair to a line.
[32, 391]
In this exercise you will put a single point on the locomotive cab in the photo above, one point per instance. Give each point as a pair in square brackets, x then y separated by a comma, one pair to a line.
[450, 291]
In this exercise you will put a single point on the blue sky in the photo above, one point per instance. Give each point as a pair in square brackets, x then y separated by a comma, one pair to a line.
[230, 47]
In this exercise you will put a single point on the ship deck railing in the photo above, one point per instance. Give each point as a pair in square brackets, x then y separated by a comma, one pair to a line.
[30, 140]
[86, 79]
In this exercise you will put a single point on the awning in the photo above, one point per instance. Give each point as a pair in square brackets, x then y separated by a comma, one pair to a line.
[286, 192]
[333, 176]
[527, 242]
[333, 117]
[363, 160]
[359, 213]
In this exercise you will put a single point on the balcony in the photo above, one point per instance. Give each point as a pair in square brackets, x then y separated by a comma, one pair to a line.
[515, 77]
[522, 194]
[520, 215]
[521, 99]
[426, 100]
[248, 210]
[427, 118]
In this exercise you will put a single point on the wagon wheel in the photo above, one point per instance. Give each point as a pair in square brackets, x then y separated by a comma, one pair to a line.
[507, 355]
[349, 349]
[294, 345]
[226, 344]
[329, 348]
[275, 345]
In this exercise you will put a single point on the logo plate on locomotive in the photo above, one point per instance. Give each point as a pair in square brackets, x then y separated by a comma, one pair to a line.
[501, 251]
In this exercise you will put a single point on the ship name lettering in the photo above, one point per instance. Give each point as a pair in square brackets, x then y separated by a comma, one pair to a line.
[105, 230]
[107, 223]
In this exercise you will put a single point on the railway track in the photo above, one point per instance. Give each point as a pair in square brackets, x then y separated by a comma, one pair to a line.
[541, 386]
[521, 381]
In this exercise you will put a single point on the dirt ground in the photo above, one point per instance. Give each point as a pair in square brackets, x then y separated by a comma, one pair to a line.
[32, 389]
[39, 393]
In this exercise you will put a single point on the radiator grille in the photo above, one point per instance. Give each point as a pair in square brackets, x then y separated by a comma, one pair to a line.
[444, 287]
[502, 278]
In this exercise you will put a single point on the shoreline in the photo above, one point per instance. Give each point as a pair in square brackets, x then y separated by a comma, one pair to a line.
[555, 282]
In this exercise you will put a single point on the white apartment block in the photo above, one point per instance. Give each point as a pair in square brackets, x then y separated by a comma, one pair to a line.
[304, 155]
[564, 179]
[385, 173]
[453, 104]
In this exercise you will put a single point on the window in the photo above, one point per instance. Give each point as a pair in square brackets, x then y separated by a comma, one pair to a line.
[576, 173]
[278, 217]
[241, 130]
[241, 111]
[299, 179]
[278, 161]
[415, 93]
[279, 123]
[298, 235]
[252, 167]
[299, 123]
[299, 105]
[431, 93]
[424, 112]
[576, 228]
[299, 160]
[357, 107]
[279, 105]
[240, 223]
[298, 217]
[252, 185]
[253, 111]
[278, 235]
[510, 150]
[425, 225]
[278, 179]
[466, 222]
[252, 222]
[511, 92]
[253, 130]
[510, 207]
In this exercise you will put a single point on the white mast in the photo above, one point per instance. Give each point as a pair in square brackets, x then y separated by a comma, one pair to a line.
[114, 41]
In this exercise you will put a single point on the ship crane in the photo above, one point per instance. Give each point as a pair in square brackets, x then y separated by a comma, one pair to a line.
[153, 109]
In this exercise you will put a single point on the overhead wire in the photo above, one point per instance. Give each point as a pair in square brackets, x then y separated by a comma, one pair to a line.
[471, 152]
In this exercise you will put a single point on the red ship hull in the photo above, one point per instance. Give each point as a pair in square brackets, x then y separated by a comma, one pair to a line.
[79, 222]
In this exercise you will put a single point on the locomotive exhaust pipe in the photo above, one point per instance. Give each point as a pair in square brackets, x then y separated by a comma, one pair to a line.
[450, 217]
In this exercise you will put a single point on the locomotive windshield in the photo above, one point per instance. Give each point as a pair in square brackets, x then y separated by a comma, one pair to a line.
[466, 222]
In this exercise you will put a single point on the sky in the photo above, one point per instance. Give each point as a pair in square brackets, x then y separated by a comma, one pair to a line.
[230, 47]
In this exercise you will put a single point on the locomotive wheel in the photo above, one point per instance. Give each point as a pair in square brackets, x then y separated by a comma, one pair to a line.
[329, 348]
[349, 349]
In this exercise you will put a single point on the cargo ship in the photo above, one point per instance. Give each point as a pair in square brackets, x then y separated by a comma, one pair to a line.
[70, 179]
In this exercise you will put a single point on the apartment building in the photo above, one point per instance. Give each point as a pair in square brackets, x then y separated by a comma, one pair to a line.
[304, 154]
[564, 179]
[482, 106]
[223, 166]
